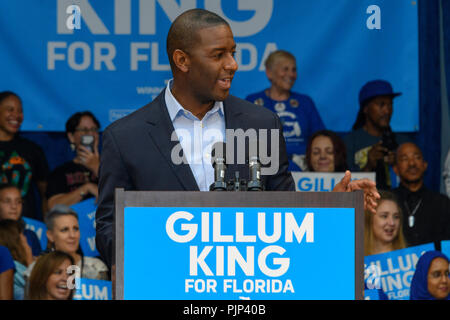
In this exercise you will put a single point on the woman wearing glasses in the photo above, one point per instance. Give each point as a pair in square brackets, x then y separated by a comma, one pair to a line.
[431, 280]
[77, 179]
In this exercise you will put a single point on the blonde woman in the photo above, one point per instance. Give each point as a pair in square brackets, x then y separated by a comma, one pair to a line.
[383, 230]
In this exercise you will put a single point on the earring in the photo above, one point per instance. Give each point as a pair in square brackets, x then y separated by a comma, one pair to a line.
[72, 147]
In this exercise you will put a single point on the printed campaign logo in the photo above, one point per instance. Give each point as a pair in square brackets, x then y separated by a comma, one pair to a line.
[393, 271]
[324, 181]
[86, 219]
[90, 289]
[239, 253]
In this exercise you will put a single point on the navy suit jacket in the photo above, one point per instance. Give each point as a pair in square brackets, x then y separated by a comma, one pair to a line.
[136, 155]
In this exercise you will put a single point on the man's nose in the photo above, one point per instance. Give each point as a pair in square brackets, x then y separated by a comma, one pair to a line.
[231, 64]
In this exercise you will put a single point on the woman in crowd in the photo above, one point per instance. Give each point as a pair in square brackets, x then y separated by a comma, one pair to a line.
[77, 179]
[296, 111]
[11, 204]
[49, 278]
[12, 237]
[22, 161]
[63, 234]
[383, 230]
[431, 278]
[7, 269]
[325, 152]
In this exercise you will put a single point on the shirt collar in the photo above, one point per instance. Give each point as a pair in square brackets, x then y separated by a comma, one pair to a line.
[175, 108]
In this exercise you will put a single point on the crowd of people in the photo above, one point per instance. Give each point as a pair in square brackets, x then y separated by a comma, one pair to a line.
[407, 214]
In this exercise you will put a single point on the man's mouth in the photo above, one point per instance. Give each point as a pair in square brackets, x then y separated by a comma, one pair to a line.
[225, 83]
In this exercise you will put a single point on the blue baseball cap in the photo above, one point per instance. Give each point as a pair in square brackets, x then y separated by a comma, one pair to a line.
[374, 89]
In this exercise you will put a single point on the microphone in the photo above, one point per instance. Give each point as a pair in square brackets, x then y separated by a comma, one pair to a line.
[254, 183]
[218, 162]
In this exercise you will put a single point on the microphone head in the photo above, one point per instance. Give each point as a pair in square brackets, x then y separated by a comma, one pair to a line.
[218, 153]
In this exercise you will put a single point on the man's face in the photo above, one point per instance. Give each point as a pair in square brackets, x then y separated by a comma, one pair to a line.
[379, 111]
[410, 165]
[10, 204]
[211, 63]
[283, 74]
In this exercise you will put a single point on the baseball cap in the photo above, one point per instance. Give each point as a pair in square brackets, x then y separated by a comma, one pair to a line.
[374, 89]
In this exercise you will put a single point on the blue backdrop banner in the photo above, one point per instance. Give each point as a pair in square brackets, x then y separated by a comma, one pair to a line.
[239, 253]
[393, 271]
[109, 57]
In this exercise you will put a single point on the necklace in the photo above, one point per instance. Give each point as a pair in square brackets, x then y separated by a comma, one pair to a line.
[411, 218]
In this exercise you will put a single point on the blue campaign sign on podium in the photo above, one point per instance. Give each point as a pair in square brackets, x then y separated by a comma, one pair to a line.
[86, 219]
[239, 253]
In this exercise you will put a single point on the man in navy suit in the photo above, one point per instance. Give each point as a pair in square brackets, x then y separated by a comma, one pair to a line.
[138, 150]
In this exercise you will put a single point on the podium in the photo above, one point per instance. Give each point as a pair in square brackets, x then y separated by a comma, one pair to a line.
[271, 245]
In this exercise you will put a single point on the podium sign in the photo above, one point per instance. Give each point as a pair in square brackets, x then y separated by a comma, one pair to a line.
[238, 246]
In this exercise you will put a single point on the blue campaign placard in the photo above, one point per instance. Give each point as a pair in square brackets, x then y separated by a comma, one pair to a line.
[39, 229]
[86, 218]
[239, 253]
[90, 289]
[445, 248]
[393, 271]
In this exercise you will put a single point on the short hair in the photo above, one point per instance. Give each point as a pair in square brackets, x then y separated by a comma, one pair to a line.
[340, 152]
[74, 120]
[183, 31]
[44, 267]
[7, 94]
[275, 56]
[57, 211]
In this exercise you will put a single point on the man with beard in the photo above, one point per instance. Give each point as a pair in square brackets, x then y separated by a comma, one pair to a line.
[371, 144]
[426, 213]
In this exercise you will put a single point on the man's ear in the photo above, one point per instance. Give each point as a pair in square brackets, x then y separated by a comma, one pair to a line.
[181, 60]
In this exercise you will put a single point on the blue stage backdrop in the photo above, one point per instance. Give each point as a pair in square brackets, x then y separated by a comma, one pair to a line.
[116, 62]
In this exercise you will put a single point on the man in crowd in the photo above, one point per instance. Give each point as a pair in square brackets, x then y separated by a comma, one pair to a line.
[138, 149]
[426, 213]
[371, 144]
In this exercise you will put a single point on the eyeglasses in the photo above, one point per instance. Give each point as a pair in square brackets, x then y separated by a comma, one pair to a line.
[10, 201]
[438, 274]
[87, 130]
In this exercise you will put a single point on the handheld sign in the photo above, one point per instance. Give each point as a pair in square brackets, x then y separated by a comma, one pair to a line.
[324, 181]
[39, 228]
[393, 271]
[86, 218]
[90, 289]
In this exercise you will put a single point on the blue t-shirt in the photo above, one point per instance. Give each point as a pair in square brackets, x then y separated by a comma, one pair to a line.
[6, 260]
[300, 120]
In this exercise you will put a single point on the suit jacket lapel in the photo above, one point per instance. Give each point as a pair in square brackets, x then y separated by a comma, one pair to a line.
[160, 130]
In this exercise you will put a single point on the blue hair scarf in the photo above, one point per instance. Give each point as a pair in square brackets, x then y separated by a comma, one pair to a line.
[419, 283]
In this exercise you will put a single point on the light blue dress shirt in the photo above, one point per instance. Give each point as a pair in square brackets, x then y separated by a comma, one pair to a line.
[197, 137]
